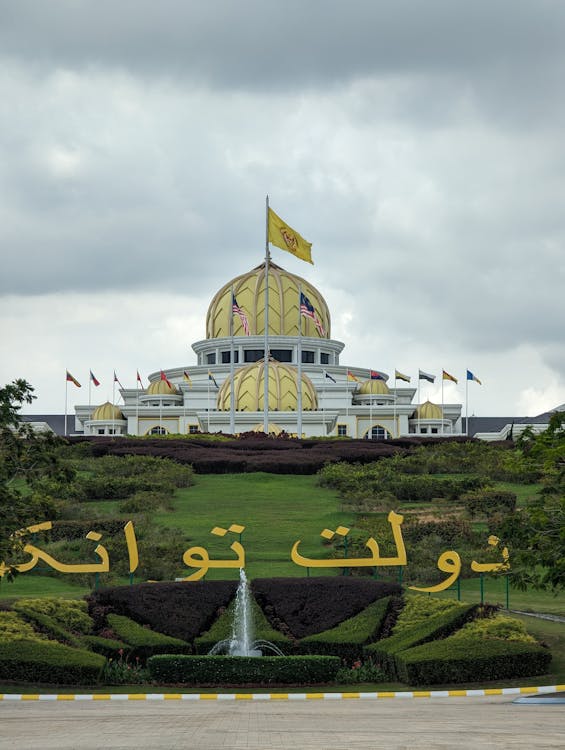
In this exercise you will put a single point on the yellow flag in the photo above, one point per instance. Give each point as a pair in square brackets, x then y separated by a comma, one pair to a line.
[283, 236]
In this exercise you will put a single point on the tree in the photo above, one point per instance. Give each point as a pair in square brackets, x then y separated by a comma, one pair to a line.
[25, 457]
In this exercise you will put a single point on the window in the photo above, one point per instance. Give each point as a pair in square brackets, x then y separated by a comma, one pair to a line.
[226, 357]
[157, 431]
[282, 355]
[193, 429]
[211, 359]
[434, 430]
[342, 430]
[377, 433]
[423, 430]
[324, 358]
[308, 357]
[253, 355]
[100, 430]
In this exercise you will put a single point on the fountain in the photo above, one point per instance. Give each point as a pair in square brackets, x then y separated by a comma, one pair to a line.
[241, 642]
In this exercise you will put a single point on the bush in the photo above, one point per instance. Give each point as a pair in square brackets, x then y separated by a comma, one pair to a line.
[384, 652]
[347, 639]
[50, 662]
[419, 608]
[70, 614]
[487, 502]
[13, 627]
[242, 670]
[499, 626]
[143, 641]
[463, 660]
[50, 627]
[108, 647]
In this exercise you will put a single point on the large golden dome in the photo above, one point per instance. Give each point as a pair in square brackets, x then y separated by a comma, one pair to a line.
[249, 389]
[427, 410]
[249, 290]
[373, 386]
[162, 388]
[106, 413]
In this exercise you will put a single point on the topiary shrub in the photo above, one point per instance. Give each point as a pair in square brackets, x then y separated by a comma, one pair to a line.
[143, 641]
[70, 614]
[457, 660]
[347, 639]
[243, 670]
[13, 627]
[49, 662]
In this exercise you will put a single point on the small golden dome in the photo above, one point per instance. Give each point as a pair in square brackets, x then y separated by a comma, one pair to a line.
[249, 290]
[249, 389]
[106, 413]
[161, 388]
[373, 386]
[272, 429]
[427, 410]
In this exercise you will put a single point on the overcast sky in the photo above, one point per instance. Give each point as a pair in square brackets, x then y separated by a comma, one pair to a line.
[418, 145]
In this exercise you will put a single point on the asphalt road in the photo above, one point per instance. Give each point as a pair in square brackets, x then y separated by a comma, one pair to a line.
[478, 722]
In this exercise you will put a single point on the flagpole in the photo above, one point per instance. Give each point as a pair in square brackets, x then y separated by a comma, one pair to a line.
[395, 397]
[371, 410]
[232, 368]
[208, 402]
[442, 379]
[137, 401]
[266, 320]
[114, 390]
[466, 403]
[66, 394]
[89, 391]
[419, 403]
[299, 368]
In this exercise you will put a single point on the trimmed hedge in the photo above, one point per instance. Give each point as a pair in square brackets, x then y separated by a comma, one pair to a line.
[48, 626]
[108, 647]
[143, 641]
[347, 640]
[461, 660]
[301, 607]
[50, 662]
[242, 670]
[440, 626]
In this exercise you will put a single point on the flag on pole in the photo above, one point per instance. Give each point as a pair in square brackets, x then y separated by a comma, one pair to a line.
[70, 379]
[186, 376]
[426, 376]
[446, 376]
[139, 379]
[351, 376]
[212, 378]
[375, 375]
[329, 377]
[283, 236]
[400, 376]
[116, 380]
[470, 376]
[236, 310]
[94, 379]
[167, 381]
[307, 309]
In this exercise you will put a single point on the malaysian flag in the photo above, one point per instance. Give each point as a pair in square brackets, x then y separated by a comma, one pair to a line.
[307, 309]
[236, 310]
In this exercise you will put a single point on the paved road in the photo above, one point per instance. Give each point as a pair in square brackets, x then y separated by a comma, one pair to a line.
[485, 722]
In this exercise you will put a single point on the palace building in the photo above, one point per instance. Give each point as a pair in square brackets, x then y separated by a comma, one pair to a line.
[295, 367]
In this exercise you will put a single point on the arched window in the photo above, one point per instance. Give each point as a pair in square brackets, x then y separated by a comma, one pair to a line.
[157, 431]
[377, 433]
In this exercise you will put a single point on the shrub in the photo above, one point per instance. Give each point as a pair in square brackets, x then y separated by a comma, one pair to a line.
[108, 647]
[435, 627]
[489, 501]
[499, 626]
[71, 614]
[360, 672]
[241, 670]
[456, 660]
[301, 607]
[347, 639]
[50, 662]
[50, 627]
[13, 627]
[419, 608]
[145, 642]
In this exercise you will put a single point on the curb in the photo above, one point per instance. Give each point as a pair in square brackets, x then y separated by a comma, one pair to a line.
[276, 696]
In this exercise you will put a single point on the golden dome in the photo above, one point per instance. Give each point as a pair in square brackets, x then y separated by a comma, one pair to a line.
[427, 410]
[373, 386]
[161, 388]
[106, 413]
[272, 429]
[249, 389]
[249, 290]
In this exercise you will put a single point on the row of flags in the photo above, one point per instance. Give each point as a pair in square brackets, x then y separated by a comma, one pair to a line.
[93, 379]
